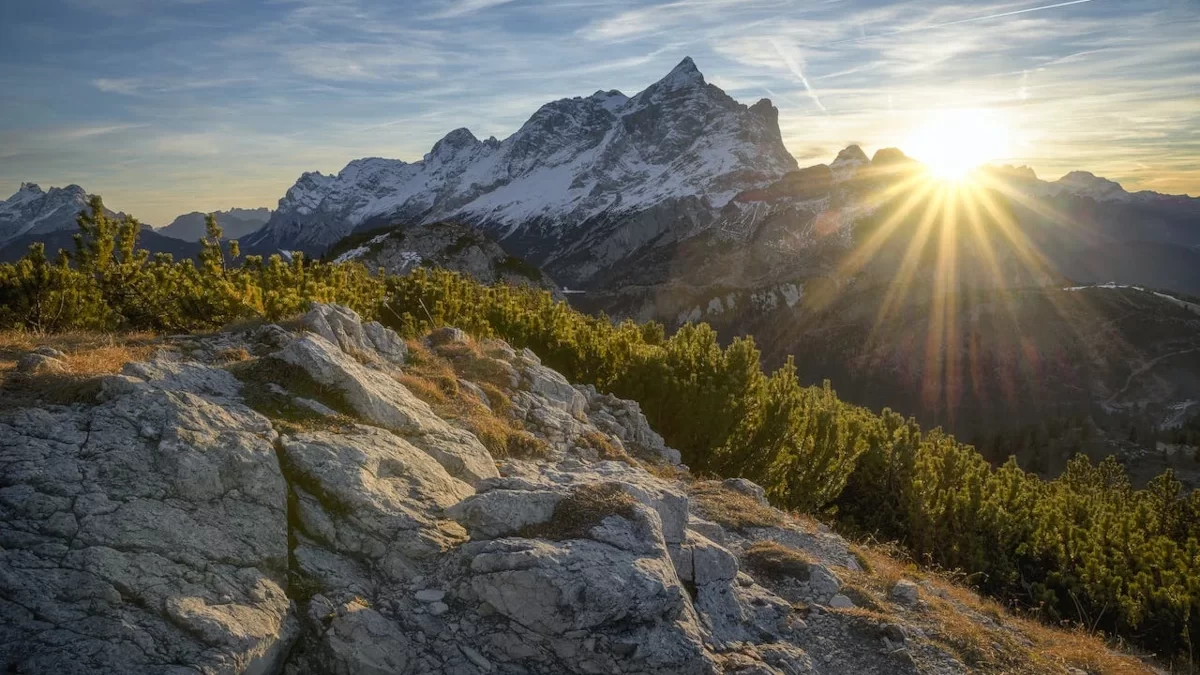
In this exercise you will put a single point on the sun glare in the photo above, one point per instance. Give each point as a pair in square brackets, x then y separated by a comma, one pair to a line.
[952, 143]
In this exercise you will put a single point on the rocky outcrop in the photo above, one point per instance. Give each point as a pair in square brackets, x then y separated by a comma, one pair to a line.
[144, 533]
[399, 249]
[167, 526]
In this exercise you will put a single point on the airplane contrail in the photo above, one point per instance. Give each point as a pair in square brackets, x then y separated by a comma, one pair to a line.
[973, 19]
[794, 65]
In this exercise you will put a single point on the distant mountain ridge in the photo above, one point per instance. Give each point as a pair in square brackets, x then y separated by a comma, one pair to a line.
[235, 223]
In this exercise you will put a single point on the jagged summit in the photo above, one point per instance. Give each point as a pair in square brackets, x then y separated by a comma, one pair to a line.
[31, 210]
[686, 74]
[852, 153]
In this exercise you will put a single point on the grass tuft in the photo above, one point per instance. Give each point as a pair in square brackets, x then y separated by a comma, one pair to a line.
[604, 447]
[586, 507]
[777, 561]
[732, 509]
[258, 374]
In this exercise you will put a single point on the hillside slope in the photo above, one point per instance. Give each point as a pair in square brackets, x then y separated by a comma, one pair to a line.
[331, 499]
[452, 246]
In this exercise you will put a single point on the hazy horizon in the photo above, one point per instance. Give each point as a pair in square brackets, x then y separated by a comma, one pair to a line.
[197, 105]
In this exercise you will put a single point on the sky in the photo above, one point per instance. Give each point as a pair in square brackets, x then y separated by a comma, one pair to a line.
[171, 106]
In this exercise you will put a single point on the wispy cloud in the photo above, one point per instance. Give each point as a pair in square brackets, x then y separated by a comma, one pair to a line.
[457, 8]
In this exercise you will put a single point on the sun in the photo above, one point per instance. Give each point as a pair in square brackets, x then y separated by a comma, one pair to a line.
[951, 143]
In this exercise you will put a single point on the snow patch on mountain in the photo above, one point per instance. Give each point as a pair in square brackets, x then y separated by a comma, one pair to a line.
[360, 251]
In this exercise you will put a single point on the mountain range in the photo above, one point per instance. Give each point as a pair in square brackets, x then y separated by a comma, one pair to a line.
[610, 191]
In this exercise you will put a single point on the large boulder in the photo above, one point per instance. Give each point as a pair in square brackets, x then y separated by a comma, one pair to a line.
[370, 495]
[554, 388]
[343, 327]
[380, 400]
[143, 534]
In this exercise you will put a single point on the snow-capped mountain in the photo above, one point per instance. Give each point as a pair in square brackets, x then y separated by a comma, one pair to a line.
[605, 172]
[33, 211]
[236, 223]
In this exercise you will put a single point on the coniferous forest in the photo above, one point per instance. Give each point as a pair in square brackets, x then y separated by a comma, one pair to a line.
[1085, 547]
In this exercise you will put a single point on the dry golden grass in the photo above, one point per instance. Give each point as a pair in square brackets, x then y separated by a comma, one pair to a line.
[434, 379]
[730, 508]
[665, 471]
[86, 356]
[604, 447]
[981, 632]
[778, 561]
[233, 355]
[86, 353]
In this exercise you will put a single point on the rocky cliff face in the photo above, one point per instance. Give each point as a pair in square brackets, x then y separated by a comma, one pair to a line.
[453, 246]
[302, 511]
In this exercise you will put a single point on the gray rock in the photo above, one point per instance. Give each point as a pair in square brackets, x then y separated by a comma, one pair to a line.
[823, 583]
[50, 352]
[40, 364]
[895, 633]
[430, 595]
[343, 327]
[554, 388]
[906, 593]
[447, 335]
[381, 400]
[711, 563]
[369, 494]
[840, 601]
[748, 488]
[361, 640]
[497, 513]
[387, 342]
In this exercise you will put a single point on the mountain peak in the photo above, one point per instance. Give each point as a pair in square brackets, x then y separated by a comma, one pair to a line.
[888, 156]
[32, 188]
[452, 143]
[852, 153]
[1088, 184]
[686, 74]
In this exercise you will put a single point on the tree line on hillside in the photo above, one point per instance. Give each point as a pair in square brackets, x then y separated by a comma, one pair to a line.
[1085, 546]
[108, 283]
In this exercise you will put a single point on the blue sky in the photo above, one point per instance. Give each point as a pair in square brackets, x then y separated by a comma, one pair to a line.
[168, 106]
